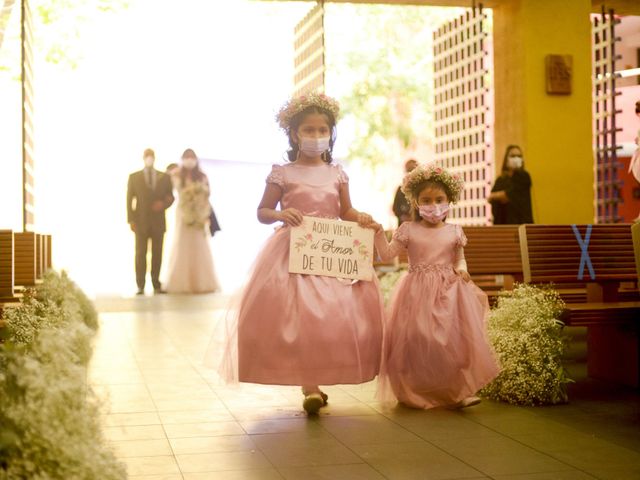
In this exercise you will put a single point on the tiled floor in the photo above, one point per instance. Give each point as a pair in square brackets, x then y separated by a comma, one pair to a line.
[171, 419]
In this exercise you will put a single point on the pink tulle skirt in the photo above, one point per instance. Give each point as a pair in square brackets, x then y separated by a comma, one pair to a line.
[292, 329]
[436, 351]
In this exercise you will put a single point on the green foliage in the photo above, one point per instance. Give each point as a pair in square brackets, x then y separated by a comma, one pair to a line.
[59, 24]
[61, 290]
[527, 336]
[50, 419]
[58, 29]
[388, 60]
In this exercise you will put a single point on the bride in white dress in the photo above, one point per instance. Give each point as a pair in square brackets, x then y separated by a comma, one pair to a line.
[190, 262]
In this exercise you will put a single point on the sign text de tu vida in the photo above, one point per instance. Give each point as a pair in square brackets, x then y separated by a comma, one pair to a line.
[331, 248]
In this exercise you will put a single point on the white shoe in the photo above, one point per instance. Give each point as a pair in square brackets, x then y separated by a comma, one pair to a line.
[312, 403]
[468, 402]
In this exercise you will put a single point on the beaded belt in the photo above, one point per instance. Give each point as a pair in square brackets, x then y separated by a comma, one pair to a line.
[430, 267]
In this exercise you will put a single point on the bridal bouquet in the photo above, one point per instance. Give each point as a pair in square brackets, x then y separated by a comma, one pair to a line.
[194, 204]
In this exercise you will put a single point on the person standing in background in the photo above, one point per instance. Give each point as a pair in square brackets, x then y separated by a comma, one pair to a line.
[510, 196]
[149, 194]
[191, 267]
[401, 207]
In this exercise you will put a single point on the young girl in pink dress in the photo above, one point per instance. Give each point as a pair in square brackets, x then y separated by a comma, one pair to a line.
[306, 330]
[435, 350]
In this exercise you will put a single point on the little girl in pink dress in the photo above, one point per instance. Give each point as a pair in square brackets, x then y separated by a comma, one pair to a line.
[435, 352]
[305, 330]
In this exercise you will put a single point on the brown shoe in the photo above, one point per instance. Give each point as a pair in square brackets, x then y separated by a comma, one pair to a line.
[312, 403]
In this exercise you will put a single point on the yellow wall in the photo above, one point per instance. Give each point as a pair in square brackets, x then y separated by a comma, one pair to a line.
[554, 131]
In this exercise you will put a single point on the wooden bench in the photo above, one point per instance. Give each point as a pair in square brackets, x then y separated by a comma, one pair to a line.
[603, 257]
[493, 257]
[26, 259]
[8, 296]
[48, 256]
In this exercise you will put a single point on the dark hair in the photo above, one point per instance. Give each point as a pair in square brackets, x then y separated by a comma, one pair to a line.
[295, 123]
[638, 107]
[419, 187]
[195, 174]
[149, 153]
[409, 162]
[505, 161]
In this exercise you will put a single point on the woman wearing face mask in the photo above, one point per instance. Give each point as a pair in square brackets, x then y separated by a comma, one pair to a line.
[190, 263]
[510, 196]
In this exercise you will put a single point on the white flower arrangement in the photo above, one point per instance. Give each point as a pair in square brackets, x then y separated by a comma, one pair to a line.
[194, 204]
[300, 103]
[527, 336]
[50, 425]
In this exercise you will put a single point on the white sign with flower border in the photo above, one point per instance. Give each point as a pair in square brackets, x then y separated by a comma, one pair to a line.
[331, 248]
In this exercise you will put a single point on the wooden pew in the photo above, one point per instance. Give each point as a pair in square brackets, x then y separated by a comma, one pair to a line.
[48, 261]
[8, 296]
[40, 256]
[26, 271]
[493, 257]
[603, 258]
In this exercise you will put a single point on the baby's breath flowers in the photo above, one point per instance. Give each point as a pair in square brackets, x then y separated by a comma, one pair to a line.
[194, 205]
[526, 334]
[300, 103]
[423, 173]
[50, 418]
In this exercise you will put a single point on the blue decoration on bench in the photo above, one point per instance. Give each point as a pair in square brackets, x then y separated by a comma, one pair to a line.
[584, 247]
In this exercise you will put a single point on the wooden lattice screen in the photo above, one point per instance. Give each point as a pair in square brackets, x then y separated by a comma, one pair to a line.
[462, 111]
[28, 198]
[608, 183]
[309, 64]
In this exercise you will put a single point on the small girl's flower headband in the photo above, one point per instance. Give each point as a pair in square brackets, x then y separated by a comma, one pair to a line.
[423, 173]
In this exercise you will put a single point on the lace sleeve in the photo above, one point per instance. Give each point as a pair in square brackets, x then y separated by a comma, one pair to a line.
[399, 242]
[342, 175]
[461, 238]
[461, 242]
[276, 176]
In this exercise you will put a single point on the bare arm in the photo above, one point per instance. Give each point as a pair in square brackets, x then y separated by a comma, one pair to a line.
[347, 212]
[267, 212]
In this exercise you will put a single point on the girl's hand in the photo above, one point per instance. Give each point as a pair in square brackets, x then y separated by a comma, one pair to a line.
[464, 274]
[366, 221]
[291, 217]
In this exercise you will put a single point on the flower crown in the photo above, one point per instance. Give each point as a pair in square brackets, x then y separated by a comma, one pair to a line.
[298, 104]
[432, 173]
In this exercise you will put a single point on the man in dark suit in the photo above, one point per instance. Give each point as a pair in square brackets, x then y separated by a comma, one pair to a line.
[149, 194]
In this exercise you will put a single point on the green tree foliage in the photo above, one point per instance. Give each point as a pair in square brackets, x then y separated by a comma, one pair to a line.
[385, 54]
[58, 27]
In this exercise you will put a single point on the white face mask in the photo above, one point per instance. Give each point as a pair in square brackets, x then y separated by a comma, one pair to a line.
[148, 161]
[314, 146]
[515, 162]
[189, 163]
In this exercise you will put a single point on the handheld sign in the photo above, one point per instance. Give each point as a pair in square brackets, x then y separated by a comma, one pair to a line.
[331, 248]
